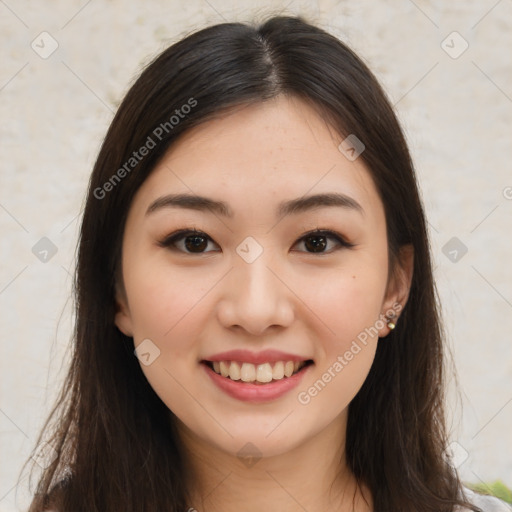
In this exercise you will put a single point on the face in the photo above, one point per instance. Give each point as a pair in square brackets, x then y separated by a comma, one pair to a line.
[257, 304]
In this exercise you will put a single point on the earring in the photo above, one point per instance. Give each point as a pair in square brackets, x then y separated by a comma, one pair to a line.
[391, 325]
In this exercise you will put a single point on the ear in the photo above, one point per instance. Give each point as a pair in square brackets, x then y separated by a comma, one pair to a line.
[122, 319]
[399, 285]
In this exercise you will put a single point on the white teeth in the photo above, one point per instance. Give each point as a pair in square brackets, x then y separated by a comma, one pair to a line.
[224, 368]
[248, 372]
[278, 370]
[263, 373]
[234, 371]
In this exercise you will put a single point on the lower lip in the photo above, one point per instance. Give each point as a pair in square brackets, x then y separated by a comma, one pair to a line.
[256, 393]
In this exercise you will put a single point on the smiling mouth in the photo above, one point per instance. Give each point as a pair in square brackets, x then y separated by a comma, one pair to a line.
[257, 373]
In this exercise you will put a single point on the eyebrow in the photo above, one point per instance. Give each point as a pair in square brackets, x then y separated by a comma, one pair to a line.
[290, 207]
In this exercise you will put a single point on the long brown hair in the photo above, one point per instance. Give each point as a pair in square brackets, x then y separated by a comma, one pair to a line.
[116, 447]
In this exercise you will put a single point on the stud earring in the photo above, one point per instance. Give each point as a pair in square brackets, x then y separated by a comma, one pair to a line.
[391, 325]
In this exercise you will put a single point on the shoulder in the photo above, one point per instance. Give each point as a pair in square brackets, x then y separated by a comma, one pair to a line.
[486, 503]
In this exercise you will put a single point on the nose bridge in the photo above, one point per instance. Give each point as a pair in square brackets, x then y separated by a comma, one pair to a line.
[251, 260]
[256, 298]
[257, 282]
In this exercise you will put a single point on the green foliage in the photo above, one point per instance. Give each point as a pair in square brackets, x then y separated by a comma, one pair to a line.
[497, 488]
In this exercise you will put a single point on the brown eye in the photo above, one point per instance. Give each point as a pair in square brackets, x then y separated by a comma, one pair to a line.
[315, 243]
[189, 242]
[323, 242]
[196, 243]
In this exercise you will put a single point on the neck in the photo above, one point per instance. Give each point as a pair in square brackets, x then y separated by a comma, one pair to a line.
[313, 476]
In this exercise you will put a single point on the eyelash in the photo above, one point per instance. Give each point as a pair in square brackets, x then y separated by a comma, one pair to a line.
[173, 238]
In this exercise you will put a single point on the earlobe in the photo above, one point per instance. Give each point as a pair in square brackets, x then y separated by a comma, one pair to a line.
[123, 323]
[399, 286]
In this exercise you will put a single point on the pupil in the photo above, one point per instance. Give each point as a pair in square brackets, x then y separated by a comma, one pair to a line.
[195, 243]
[316, 243]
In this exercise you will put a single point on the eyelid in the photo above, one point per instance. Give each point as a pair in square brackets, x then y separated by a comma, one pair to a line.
[328, 233]
[168, 241]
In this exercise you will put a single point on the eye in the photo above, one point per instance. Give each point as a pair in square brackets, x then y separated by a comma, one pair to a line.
[323, 241]
[188, 241]
[192, 241]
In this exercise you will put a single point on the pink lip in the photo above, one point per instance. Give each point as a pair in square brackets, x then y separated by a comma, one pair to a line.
[265, 356]
[255, 393]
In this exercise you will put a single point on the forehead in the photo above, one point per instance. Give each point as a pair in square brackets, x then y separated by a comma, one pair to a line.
[262, 153]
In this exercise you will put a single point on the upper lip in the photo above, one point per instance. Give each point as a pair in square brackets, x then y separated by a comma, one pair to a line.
[265, 356]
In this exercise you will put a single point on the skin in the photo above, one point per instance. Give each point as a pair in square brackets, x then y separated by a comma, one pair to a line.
[192, 306]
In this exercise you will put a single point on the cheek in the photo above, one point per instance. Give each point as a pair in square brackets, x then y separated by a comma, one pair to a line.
[350, 307]
[346, 301]
[348, 304]
[169, 307]
[163, 298]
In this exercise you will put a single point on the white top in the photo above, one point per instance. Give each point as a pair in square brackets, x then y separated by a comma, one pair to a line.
[486, 503]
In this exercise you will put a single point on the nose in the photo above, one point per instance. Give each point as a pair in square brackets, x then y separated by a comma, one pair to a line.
[255, 298]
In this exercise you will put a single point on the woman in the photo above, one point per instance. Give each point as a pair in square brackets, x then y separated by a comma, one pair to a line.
[256, 319]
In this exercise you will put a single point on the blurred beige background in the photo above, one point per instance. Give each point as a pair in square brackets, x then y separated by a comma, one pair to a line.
[446, 66]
